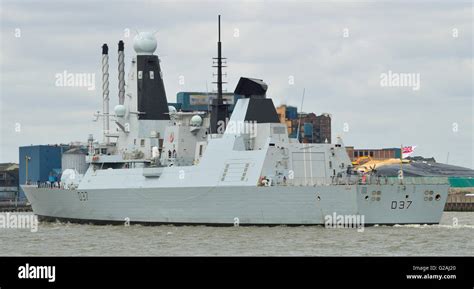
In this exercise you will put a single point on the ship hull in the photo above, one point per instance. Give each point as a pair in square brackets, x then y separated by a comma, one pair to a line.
[297, 205]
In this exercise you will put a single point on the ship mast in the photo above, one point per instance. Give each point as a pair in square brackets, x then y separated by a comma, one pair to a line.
[219, 109]
[219, 61]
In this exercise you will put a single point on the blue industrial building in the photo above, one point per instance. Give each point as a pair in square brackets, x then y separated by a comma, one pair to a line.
[291, 112]
[200, 101]
[43, 161]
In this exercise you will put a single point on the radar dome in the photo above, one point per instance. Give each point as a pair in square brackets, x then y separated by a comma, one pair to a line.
[196, 120]
[144, 43]
[120, 110]
[172, 109]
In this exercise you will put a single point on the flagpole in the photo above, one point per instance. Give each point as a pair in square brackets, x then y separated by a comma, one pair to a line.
[401, 163]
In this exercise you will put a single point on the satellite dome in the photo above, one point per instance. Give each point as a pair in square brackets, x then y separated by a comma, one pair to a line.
[144, 43]
[120, 110]
[172, 109]
[196, 120]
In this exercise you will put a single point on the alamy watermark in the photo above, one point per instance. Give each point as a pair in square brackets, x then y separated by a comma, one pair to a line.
[37, 272]
[237, 127]
[345, 221]
[395, 79]
[75, 80]
[19, 221]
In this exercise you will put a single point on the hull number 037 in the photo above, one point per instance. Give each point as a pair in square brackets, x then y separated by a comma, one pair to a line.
[82, 196]
[400, 205]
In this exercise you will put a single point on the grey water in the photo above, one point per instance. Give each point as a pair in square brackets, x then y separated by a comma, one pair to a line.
[452, 237]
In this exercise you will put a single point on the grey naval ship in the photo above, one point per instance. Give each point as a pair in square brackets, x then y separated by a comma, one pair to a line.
[159, 165]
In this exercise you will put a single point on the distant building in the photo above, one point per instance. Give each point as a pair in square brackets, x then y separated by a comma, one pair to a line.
[39, 163]
[8, 181]
[200, 101]
[313, 128]
[376, 154]
[286, 115]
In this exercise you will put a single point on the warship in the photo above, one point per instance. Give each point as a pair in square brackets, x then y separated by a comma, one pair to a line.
[159, 165]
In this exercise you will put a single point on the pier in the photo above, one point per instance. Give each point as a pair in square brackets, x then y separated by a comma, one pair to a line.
[12, 206]
[460, 200]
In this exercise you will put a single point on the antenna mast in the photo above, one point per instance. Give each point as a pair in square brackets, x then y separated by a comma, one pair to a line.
[299, 120]
[219, 109]
[219, 61]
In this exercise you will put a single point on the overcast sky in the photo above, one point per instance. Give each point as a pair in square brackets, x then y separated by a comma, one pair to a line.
[272, 40]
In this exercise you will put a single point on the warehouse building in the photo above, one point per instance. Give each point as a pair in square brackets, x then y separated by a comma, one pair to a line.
[9, 183]
[39, 163]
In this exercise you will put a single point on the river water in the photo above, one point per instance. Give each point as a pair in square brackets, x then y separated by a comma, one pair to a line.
[453, 237]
